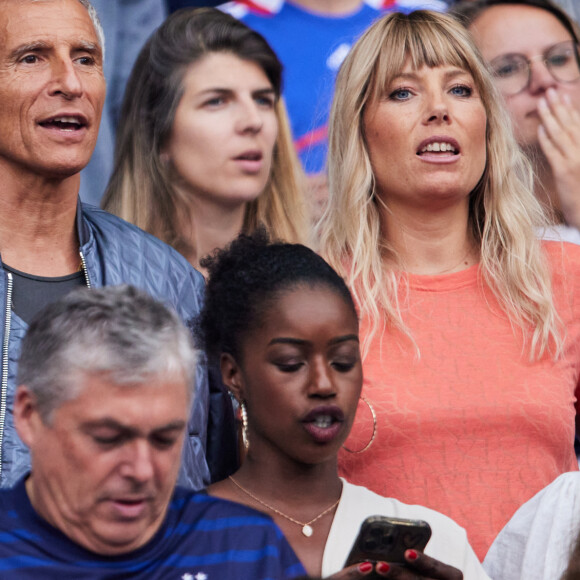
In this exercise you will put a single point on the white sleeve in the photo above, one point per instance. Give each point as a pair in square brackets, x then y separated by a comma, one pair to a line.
[536, 543]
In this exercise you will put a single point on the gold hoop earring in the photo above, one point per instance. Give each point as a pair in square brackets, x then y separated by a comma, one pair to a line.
[371, 409]
[245, 438]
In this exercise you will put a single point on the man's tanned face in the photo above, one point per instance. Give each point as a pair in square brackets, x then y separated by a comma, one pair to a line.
[52, 87]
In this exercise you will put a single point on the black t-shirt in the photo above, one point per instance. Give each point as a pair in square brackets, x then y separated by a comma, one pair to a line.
[30, 294]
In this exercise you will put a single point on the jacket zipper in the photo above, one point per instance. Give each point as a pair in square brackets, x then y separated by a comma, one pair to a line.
[5, 355]
[7, 320]
[84, 267]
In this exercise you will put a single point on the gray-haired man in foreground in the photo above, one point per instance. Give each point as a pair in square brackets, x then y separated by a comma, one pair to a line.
[103, 403]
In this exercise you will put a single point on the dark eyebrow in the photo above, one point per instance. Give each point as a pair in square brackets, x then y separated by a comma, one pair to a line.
[283, 340]
[229, 91]
[345, 338]
[300, 342]
[215, 90]
[265, 90]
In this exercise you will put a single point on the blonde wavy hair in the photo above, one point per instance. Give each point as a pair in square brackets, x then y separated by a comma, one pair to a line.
[503, 212]
[141, 188]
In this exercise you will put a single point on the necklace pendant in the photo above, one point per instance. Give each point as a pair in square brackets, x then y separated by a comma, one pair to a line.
[307, 530]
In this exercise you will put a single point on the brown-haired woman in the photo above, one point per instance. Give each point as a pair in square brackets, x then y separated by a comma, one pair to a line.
[203, 148]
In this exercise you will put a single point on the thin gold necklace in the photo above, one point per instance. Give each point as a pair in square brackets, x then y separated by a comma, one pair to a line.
[465, 261]
[306, 526]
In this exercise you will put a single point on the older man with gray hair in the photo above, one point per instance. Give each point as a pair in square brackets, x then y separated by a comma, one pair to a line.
[105, 389]
[52, 91]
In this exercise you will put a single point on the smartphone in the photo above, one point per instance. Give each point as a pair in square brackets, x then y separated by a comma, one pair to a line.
[386, 539]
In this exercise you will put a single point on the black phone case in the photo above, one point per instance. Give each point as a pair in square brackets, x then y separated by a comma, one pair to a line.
[386, 539]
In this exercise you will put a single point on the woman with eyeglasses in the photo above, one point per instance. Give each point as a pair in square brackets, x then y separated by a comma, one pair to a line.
[532, 47]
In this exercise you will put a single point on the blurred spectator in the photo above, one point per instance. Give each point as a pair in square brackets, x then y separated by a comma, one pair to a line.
[127, 24]
[532, 47]
[203, 147]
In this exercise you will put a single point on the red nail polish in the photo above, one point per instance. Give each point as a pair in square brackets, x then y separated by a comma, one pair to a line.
[383, 567]
[412, 555]
[365, 567]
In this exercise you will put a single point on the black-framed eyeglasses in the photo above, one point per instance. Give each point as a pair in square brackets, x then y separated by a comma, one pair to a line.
[513, 73]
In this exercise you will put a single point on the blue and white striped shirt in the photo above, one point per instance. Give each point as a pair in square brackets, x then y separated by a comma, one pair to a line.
[202, 538]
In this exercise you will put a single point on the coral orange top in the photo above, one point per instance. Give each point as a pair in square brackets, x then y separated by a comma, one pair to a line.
[471, 428]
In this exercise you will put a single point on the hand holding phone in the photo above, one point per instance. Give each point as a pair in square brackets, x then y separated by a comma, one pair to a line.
[418, 565]
[386, 539]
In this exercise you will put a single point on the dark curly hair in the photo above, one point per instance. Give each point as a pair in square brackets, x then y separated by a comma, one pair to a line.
[245, 278]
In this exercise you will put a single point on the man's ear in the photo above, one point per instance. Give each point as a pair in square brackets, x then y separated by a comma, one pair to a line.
[26, 416]
[232, 376]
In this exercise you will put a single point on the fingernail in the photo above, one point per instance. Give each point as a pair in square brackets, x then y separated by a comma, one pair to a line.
[542, 103]
[412, 555]
[365, 567]
[552, 94]
[383, 567]
[567, 99]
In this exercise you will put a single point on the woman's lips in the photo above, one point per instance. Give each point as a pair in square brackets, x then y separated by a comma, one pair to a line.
[324, 423]
[439, 149]
[441, 158]
[323, 434]
[250, 161]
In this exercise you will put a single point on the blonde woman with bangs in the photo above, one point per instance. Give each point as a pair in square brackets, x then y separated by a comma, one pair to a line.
[204, 149]
[470, 325]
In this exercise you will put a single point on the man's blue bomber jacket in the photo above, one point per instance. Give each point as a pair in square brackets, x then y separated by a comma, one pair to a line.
[113, 252]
